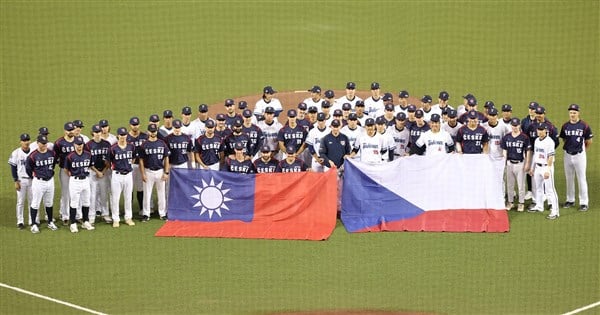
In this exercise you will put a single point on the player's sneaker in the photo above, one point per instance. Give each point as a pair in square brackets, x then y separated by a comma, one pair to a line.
[535, 209]
[65, 222]
[116, 224]
[52, 226]
[528, 195]
[145, 218]
[568, 204]
[20, 226]
[164, 218]
[86, 225]
[583, 208]
[552, 217]
[107, 219]
[129, 222]
[509, 206]
[73, 228]
[35, 229]
[520, 207]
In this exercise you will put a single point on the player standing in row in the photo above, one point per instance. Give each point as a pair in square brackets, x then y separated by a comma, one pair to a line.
[187, 128]
[77, 167]
[266, 163]
[442, 104]
[370, 144]
[401, 136]
[43, 131]
[167, 126]
[209, 148]
[63, 146]
[350, 96]
[543, 172]
[270, 128]
[577, 137]
[291, 164]
[516, 149]
[254, 133]
[292, 134]
[352, 130]
[99, 182]
[181, 147]
[121, 156]
[136, 137]
[496, 131]
[154, 167]
[452, 125]
[267, 100]
[22, 181]
[238, 162]
[230, 115]
[388, 140]
[313, 142]
[415, 130]
[506, 115]
[374, 103]
[525, 123]
[40, 166]
[200, 122]
[435, 141]
[330, 97]
[472, 138]
[314, 99]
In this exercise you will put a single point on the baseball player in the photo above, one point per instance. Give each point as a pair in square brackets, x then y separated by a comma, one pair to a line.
[181, 147]
[390, 145]
[221, 129]
[314, 99]
[22, 181]
[452, 125]
[43, 131]
[411, 110]
[337, 115]
[106, 135]
[310, 118]
[506, 115]
[267, 100]
[303, 119]
[401, 136]
[516, 150]
[121, 156]
[335, 146]
[436, 141]
[40, 166]
[346, 111]
[63, 146]
[326, 109]
[209, 148]
[313, 142]
[99, 182]
[78, 128]
[471, 105]
[543, 172]
[291, 164]
[361, 115]
[187, 127]
[525, 124]
[266, 163]
[415, 130]
[270, 128]
[77, 167]
[167, 126]
[154, 167]
[350, 96]
[462, 109]
[496, 131]
[374, 103]
[540, 117]
[230, 115]
[253, 132]
[136, 137]
[352, 130]
[577, 138]
[442, 104]
[370, 144]
[200, 121]
[236, 136]
[292, 134]
[388, 115]
[330, 97]
[472, 138]
[238, 163]
[402, 102]
[427, 109]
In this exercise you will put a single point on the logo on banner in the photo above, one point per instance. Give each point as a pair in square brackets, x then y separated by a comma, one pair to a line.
[211, 198]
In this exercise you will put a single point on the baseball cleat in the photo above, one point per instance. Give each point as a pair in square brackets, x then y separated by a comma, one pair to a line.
[52, 226]
[107, 219]
[583, 208]
[35, 229]
[520, 207]
[552, 217]
[86, 225]
[73, 228]
[528, 195]
[129, 222]
[568, 204]
[145, 218]
[164, 218]
[509, 206]
[20, 226]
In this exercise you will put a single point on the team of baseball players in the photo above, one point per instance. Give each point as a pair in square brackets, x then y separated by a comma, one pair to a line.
[319, 134]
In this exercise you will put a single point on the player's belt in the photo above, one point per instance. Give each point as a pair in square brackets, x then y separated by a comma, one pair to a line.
[155, 169]
[515, 161]
[80, 177]
[25, 177]
[44, 179]
[574, 152]
[121, 173]
[540, 164]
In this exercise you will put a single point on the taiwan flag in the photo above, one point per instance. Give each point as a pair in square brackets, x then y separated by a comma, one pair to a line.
[452, 193]
[206, 203]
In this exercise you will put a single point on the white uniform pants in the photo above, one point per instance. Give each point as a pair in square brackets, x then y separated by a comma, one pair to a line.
[99, 187]
[121, 184]
[515, 172]
[155, 178]
[42, 190]
[546, 185]
[575, 165]
[79, 192]
[64, 194]
[22, 194]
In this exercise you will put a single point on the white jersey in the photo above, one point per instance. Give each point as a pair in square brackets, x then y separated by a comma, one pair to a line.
[542, 150]
[309, 102]
[190, 130]
[427, 115]
[374, 107]
[435, 142]
[112, 139]
[389, 144]
[370, 147]
[270, 133]
[352, 134]
[363, 119]
[507, 123]
[315, 136]
[398, 109]
[495, 135]
[18, 158]
[439, 109]
[352, 102]
[401, 138]
[451, 130]
[34, 146]
[261, 105]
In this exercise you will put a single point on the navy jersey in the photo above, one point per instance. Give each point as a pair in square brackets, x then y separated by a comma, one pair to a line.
[516, 147]
[256, 138]
[154, 153]
[389, 122]
[209, 148]
[41, 165]
[552, 133]
[480, 116]
[305, 123]
[99, 151]
[122, 158]
[137, 143]
[230, 141]
[244, 167]
[266, 167]
[414, 133]
[574, 136]
[334, 148]
[79, 164]
[295, 167]
[292, 136]
[230, 120]
[179, 146]
[62, 147]
[525, 123]
[223, 134]
[472, 141]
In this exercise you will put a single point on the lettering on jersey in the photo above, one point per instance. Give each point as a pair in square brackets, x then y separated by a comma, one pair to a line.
[435, 142]
[46, 162]
[575, 132]
[266, 169]
[180, 145]
[99, 152]
[291, 169]
[472, 136]
[124, 155]
[80, 164]
[239, 168]
[210, 146]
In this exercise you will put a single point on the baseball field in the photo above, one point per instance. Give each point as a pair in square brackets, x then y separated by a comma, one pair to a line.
[92, 60]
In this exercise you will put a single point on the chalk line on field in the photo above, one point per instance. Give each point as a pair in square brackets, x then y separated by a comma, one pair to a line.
[81, 308]
[581, 309]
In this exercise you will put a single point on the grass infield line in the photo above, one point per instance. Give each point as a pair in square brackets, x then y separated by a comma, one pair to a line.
[81, 308]
[581, 309]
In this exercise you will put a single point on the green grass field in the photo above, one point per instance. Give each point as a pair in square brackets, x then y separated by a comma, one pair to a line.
[107, 59]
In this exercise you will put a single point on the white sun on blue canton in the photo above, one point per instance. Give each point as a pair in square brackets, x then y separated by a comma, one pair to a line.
[211, 198]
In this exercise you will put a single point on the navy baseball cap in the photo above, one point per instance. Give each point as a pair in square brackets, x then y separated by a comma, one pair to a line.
[574, 107]
[375, 86]
[492, 111]
[419, 113]
[302, 106]
[96, 128]
[42, 139]
[351, 86]
[369, 122]
[122, 131]
[78, 123]
[411, 108]
[69, 126]
[329, 94]
[403, 94]
[291, 113]
[506, 108]
[542, 126]
[209, 124]
[154, 118]
[176, 123]
[387, 96]
[315, 89]
[338, 112]
[229, 102]
[346, 106]
[265, 149]
[43, 131]
[468, 96]
[380, 121]
[472, 115]
[151, 128]
[321, 116]
[269, 90]
[533, 105]
[238, 146]
[472, 101]
[78, 140]
[290, 149]
[426, 99]
[360, 103]
[325, 104]
[444, 96]
[25, 137]
[489, 104]
[242, 104]
[103, 123]
[203, 108]
[186, 110]
[452, 113]
[134, 121]
[237, 122]
[335, 123]
[220, 116]
[352, 116]
[389, 107]
[269, 110]
[401, 116]
[540, 110]
[247, 113]
[515, 122]
[167, 113]
[312, 109]
[435, 118]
